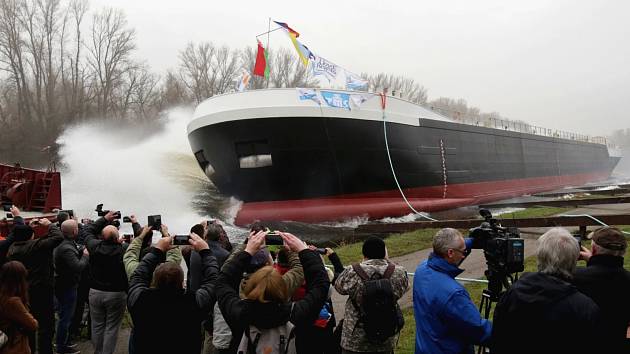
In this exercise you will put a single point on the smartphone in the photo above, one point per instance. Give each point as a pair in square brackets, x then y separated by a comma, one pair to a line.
[127, 237]
[320, 250]
[579, 241]
[155, 221]
[180, 240]
[126, 219]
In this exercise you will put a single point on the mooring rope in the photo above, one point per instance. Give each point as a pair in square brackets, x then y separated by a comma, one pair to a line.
[391, 165]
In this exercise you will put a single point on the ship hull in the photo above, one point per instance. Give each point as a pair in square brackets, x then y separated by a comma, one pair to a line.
[329, 168]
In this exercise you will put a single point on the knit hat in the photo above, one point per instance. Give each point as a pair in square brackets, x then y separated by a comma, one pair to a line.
[22, 232]
[374, 248]
[259, 260]
[610, 238]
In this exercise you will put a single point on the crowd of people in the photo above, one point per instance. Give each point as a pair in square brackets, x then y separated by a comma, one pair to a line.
[255, 297]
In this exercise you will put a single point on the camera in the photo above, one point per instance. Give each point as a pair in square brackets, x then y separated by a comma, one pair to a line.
[503, 249]
[320, 250]
[126, 219]
[9, 216]
[155, 221]
[180, 240]
[6, 207]
[273, 238]
[127, 237]
[100, 212]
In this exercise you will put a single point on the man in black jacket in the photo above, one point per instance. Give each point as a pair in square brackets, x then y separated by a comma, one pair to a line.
[37, 257]
[167, 305]
[70, 260]
[606, 282]
[108, 283]
[542, 312]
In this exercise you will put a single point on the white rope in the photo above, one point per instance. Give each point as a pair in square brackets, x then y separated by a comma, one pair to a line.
[594, 219]
[391, 166]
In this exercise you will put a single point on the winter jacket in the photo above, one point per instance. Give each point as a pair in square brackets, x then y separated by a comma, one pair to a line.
[16, 322]
[132, 258]
[241, 313]
[606, 282]
[194, 270]
[69, 262]
[107, 271]
[542, 313]
[174, 313]
[318, 338]
[447, 321]
[37, 257]
[350, 283]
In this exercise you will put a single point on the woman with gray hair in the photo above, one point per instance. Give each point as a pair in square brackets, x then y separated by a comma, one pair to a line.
[544, 308]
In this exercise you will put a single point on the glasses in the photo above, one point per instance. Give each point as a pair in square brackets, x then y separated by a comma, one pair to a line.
[460, 251]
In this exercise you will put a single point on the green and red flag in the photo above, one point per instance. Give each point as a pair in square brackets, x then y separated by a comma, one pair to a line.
[261, 68]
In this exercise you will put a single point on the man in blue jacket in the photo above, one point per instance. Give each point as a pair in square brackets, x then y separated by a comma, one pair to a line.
[447, 321]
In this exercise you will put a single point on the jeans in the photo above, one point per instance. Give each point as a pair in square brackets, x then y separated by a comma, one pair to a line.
[107, 309]
[67, 300]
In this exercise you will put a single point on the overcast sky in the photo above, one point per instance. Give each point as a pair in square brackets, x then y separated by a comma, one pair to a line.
[559, 64]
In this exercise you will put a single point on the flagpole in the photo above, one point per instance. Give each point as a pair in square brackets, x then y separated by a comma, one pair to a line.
[268, 32]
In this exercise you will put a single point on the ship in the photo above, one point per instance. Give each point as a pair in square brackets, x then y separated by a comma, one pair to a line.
[314, 155]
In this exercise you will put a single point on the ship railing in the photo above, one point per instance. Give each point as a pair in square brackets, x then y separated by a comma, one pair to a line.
[522, 127]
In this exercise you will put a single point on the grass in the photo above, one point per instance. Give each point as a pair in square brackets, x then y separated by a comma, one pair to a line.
[397, 245]
[535, 212]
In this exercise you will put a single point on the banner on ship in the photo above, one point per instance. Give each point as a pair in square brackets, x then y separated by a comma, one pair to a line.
[308, 94]
[336, 99]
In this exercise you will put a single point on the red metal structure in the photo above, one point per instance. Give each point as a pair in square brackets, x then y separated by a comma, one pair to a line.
[36, 193]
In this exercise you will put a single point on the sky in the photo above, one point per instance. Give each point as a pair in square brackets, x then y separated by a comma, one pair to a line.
[558, 64]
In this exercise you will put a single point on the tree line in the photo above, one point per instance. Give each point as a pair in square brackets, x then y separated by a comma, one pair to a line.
[62, 62]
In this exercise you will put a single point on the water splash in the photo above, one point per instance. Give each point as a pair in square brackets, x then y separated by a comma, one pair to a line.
[138, 170]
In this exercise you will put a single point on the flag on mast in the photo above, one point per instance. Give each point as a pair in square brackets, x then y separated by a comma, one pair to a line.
[303, 52]
[289, 29]
[261, 68]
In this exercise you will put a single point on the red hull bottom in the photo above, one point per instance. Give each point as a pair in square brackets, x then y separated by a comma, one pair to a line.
[378, 205]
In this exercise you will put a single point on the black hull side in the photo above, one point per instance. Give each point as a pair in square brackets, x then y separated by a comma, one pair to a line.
[321, 157]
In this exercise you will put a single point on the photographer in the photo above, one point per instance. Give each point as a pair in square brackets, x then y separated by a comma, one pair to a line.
[133, 254]
[37, 257]
[607, 282]
[362, 321]
[167, 305]
[70, 260]
[544, 308]
[264, 309]
[108, 283]
[447, 321]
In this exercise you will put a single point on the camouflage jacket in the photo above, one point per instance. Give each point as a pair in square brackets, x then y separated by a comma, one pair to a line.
[353, 337]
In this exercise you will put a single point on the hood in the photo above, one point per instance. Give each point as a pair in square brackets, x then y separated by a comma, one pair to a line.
[539, 288]
[270, 314]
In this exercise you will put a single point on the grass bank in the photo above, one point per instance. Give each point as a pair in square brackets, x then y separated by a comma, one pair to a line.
[409, 242]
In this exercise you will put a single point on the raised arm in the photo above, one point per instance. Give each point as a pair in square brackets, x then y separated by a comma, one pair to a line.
[294, 277]
[131, 259]
[306, 310]
[141, 277]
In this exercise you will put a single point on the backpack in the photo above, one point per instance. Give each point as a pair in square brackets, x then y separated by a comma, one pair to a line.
[379, 311]
[279, 340]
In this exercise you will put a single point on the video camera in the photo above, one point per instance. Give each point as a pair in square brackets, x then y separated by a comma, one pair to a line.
[503, 249]
[100, 212]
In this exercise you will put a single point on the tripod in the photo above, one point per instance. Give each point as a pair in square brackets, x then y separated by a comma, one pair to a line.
[496, 282]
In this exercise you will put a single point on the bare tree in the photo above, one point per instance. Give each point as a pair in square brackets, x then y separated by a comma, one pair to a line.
[397, 85]
[109, 54]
